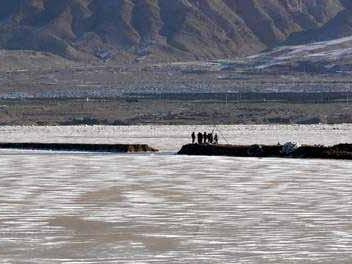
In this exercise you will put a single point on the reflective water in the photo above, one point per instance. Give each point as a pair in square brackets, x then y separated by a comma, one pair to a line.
[163, 208]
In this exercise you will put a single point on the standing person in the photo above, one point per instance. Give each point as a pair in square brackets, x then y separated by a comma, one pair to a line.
[200, 138]
[193, 137]
[205, 137]
[216, 140]
[210, 138]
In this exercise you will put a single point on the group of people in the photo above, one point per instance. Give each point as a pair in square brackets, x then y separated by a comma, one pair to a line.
[205, 138]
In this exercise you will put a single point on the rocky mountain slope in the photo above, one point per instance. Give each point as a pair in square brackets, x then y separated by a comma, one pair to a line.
[323, 57]
[165, 30]
[324, 66]
[338, 27]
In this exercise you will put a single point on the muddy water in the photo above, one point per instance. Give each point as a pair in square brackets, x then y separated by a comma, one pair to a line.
[109, 208]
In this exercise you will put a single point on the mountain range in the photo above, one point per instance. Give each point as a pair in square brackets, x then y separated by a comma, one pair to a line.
[168, 30]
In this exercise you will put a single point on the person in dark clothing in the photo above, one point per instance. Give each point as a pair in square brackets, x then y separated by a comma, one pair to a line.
[205, 137]
[210, 138]
[216, 140]
[193, 137]
[200, 138]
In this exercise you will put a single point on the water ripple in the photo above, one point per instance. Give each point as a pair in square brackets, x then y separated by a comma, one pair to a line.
[64, 208]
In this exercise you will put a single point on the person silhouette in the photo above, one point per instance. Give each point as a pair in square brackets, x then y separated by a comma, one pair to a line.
[193, 137]
[200, 138]
[210, 138]
[216, 139]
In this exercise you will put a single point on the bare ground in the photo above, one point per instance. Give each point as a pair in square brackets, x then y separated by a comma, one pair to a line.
[163, 111]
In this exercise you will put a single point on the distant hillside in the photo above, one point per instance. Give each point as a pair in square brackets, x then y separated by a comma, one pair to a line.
[165, 30]
[338, 27]
[31, 60]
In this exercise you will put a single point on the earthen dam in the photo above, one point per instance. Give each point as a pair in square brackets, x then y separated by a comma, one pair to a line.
[118, 148]
[341, 151]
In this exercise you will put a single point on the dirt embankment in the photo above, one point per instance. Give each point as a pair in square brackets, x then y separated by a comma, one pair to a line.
[341, 151]
[120, 148]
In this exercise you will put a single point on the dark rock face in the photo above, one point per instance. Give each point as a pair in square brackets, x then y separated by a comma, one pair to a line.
[341, 151]
[158, 30]
[124, 148]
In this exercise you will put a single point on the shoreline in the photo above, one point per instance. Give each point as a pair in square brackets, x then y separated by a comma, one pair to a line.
[113, 148]
[163, 111]
[339, 151]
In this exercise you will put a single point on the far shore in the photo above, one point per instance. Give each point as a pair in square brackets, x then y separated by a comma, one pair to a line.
[170, 111]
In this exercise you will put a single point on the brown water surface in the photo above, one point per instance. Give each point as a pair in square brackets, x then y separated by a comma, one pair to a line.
[162, 208]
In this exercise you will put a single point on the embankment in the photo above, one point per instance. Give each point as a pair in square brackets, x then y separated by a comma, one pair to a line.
[120, 148]
[341, 151]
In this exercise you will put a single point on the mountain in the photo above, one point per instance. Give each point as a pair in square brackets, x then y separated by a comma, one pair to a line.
[338, 27]
[325, 57]
[163, 30]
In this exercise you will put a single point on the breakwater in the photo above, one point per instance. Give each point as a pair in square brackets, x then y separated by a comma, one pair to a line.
[341, 151]
[120, 148]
